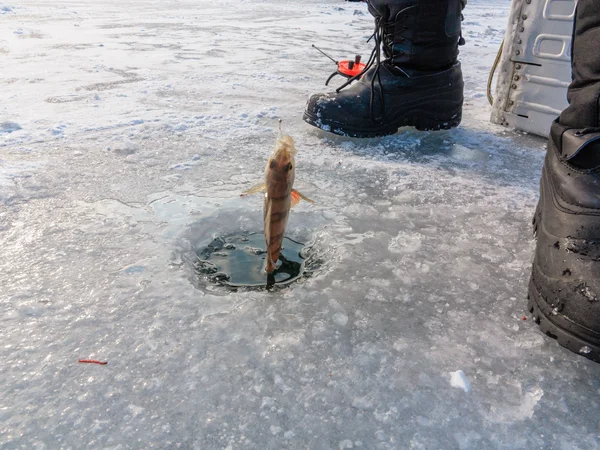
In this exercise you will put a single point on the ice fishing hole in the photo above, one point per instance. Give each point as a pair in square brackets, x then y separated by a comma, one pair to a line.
[238, 261]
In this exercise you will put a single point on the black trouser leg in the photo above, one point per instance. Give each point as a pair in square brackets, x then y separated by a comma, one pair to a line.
[584, 91]
[564, 291]
[425, 39]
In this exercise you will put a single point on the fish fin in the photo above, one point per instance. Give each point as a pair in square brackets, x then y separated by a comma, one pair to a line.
[302, 196]
[255, 189]
[295, 198]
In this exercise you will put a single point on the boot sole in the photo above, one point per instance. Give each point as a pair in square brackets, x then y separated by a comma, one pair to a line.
[421, 120]
[544, 315]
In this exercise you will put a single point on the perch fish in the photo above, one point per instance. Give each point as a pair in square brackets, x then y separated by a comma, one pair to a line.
[280, 196]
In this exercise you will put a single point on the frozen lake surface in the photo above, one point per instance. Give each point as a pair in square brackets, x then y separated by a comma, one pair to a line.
[128, 131]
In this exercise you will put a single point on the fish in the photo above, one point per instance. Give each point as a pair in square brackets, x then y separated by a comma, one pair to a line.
[280, 196]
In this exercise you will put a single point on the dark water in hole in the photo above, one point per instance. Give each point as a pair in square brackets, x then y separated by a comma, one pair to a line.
[239, 261]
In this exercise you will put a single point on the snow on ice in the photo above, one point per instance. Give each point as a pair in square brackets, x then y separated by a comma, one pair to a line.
[459, 380]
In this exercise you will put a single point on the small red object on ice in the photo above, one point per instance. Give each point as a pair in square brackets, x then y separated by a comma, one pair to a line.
[93, 361]
[524, 318]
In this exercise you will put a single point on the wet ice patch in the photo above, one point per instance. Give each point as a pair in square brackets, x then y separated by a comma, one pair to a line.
[184, 210]
[134, 269]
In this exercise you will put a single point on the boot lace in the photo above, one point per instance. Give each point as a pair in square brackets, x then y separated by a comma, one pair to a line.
[385, 34]
[375, 60]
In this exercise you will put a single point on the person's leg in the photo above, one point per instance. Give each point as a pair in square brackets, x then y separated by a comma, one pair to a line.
[564, 291]
[417, 81]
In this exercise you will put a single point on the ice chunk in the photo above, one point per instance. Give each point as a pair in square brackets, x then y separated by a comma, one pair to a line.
[340, 319]
[405, 243]
[380, 435]
[459, 380]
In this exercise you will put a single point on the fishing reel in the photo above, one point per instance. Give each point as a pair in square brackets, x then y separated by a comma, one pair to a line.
[347, 68]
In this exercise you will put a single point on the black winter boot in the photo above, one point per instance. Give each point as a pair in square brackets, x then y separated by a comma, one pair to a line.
[418, 83]
[564, 291]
